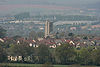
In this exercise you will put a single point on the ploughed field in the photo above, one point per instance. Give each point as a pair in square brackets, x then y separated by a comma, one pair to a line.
[38, 65]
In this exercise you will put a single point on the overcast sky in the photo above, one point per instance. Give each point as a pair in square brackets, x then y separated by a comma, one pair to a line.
[48, 1]
[10, 5]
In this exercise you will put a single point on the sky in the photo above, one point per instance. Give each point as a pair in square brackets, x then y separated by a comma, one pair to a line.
[8, 6]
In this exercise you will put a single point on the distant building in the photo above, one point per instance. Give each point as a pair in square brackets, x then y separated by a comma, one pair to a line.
[48, 28]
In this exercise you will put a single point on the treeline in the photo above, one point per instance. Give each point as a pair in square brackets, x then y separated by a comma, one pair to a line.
[64, 54]
[25, 15]
[68, 18]
[22, 16]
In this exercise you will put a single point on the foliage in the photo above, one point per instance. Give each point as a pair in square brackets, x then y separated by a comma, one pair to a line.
[43, 54]
[95, 55]
[16, 37]
[3, 55]
[65, 54]
[21, 50]
[33, 35]
[71, 34]
[83, 56]
[21, 16]
[85, 38]
[40, 34]
[2, 32]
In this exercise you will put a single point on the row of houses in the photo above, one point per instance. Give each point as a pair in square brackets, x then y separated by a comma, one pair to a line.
[51, 43]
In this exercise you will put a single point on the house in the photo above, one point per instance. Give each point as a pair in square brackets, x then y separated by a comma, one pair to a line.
[14, 58]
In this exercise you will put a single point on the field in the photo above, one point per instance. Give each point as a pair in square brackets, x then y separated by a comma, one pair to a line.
[38, 65]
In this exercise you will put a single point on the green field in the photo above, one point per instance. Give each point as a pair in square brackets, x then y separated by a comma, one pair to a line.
[38, 65]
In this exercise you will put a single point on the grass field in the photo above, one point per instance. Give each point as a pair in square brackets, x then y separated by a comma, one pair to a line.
[38, 65]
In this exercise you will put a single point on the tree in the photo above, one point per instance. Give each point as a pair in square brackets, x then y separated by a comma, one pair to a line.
[62, 34]
[3, 55]
[2, 32]
[16, 37]
[22, 16]
[71, 34]
[85, 37]
[40, 34]
[33, 35]
[65, 54]
[95, 56]
[83, 56]
[5, 44]
[21, 50]
[43, 54]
